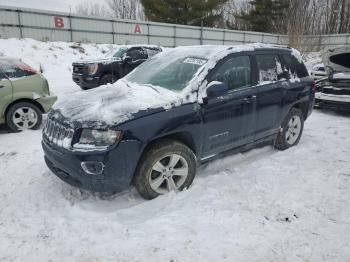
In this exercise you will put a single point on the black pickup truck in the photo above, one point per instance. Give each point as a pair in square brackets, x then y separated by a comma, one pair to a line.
[116, 64]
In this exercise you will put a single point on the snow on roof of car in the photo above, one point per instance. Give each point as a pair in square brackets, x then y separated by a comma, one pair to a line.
[209, 50]
[9, 59]
[141, 45]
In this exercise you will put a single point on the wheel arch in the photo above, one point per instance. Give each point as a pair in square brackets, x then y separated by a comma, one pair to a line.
[109, 72]
[27, 100]
[303, 106]
[183, 137]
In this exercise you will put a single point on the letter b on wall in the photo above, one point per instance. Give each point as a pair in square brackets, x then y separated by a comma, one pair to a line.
[59, 22]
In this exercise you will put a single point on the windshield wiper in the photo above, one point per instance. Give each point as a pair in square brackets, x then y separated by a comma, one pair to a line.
[151, 86]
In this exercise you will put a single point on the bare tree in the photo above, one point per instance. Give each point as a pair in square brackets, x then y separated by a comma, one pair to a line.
[91, 8]
[126, 9]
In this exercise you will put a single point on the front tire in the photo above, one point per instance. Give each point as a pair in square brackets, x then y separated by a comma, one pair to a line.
[166, 166]
[22, 116]
[291, 130]
[108, 79]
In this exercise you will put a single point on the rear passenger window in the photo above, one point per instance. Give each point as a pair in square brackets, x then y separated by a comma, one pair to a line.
[152, 52]
[270, 68]
[137, 54]
[235, 73]
[2, 76]
[295, 68]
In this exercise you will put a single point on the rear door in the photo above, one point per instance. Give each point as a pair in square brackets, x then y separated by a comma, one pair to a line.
[229, 121]
[6, 92]
[270, 93]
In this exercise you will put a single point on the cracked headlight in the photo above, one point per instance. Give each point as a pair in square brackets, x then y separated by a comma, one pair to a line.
[98, 139]
[92, 69]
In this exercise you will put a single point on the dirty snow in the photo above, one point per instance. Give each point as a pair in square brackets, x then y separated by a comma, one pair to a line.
[262, 205]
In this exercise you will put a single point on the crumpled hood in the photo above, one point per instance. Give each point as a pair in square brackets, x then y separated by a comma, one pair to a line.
[115, 104]
[337, 60]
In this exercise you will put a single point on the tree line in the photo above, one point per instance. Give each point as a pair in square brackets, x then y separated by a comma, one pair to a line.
[291, 17]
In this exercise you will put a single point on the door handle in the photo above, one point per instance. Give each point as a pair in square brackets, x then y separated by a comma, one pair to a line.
[249, 99]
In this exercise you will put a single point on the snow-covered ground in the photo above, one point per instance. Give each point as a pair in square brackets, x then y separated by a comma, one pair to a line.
[263, 205]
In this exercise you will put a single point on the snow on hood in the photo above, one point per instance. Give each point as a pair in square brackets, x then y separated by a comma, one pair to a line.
[117, 103]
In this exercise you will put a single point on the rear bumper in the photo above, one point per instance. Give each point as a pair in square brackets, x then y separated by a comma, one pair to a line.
[86, 81]
[119, 166]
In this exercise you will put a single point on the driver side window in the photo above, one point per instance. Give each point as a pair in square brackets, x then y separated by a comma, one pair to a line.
[137, 54]
[235, 73]
[2, 75]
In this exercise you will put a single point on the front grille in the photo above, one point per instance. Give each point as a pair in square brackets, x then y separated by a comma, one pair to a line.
[336, 91]
[78, 69]
[58, 134]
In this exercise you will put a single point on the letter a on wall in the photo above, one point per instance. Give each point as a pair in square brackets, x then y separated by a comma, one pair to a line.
[137, 29]
[59, 22]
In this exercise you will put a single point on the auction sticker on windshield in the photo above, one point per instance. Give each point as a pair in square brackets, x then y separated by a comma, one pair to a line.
[195, 61]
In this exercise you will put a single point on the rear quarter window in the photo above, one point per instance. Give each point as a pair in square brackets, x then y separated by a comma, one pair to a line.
[269, 66]
[296, 68]
[152, 52]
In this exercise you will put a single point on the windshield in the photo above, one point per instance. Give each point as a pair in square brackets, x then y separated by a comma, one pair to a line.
[119, 53]
[169, 71]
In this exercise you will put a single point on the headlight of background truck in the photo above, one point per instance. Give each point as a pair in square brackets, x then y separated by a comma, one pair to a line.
[92, 69]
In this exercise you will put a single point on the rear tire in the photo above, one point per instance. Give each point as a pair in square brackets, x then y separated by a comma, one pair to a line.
[22, 116]
[166, 166]
[291, 130]
[108, 79]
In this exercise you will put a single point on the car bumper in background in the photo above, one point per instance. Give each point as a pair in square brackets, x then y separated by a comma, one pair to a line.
[339, 102]
[86, 81]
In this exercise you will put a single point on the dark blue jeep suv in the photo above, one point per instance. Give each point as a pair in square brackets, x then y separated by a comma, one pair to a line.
[182, 107]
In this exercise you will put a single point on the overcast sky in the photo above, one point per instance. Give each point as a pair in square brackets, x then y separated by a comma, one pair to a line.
[54, 5]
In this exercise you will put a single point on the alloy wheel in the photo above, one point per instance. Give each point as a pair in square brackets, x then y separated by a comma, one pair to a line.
[25, 118]
[293, 129]
[168, 174]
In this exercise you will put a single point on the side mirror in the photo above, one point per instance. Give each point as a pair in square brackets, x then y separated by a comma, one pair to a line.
[216, 89]
[127, 59]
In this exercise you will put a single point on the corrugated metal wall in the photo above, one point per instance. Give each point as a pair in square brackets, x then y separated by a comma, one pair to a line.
[55, 26]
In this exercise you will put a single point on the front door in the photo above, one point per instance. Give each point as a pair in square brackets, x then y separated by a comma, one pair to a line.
[229, 121]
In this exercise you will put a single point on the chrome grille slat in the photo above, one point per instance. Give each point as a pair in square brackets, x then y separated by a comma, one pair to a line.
[58, 134]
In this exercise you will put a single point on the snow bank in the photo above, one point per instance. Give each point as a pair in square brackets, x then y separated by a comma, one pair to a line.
[262, 205]
[55, 58]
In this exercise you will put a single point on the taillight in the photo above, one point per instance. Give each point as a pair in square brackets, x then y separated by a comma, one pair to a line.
[313, 86]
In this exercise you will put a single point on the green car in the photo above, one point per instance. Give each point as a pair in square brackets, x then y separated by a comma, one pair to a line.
[24, 95]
